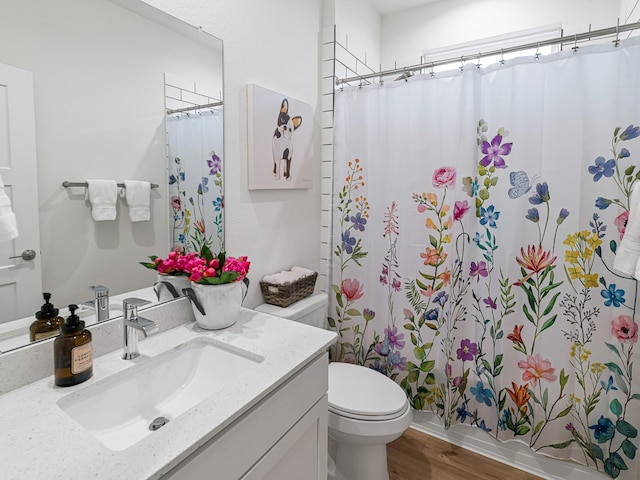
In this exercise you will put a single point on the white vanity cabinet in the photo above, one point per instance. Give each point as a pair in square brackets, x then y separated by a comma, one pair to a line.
[282, 437]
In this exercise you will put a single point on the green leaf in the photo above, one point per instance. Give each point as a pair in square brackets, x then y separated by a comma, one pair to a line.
[613, 246]
[484, 194]
[409, 326]
[431, 379]
[618, 461]
[413, 376]
[432, 326]
[498, 360]
[410, 366]
[548, 323]
[563, 379]
[354, 312]
[626, 429]
[615, 407]
[522, 430]
[538, 426]
[433, 241]
[635, 396]
[494, 181]
[629, 170]
[419, 353]
[551, 304]
[339, 300]
[562, 445]
[629, 449]
[597, 451]
[331, 322]
[614, 368]
[525, 310]
[564, 412]
[428, 366]
[612, 348]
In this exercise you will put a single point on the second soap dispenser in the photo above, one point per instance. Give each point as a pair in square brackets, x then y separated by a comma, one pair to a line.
[73, 352]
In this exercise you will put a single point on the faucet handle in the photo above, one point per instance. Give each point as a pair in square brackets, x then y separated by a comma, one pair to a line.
[99, 290]
[136, 302]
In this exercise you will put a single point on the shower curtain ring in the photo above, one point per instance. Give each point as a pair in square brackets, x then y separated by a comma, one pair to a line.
[462, 63]
[433, 74]
[501, 57]
[616, 42]
[538, 52]
[575, 43]
[478, 65]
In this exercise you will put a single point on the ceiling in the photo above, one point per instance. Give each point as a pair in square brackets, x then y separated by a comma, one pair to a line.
[390, 6]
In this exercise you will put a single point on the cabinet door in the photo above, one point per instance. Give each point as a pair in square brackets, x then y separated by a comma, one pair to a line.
[301, 453]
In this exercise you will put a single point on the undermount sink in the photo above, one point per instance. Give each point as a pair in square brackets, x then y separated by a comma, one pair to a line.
[119, 410]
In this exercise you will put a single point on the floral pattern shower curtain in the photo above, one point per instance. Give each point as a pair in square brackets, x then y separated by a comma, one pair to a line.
[477, 218]
[195, 181]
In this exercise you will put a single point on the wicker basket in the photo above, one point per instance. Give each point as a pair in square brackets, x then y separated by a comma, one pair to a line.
[285, 294]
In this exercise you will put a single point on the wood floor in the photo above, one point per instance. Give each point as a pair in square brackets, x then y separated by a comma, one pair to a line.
[417, 456]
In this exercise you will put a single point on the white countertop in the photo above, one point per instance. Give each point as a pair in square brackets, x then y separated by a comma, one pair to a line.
[40, 441]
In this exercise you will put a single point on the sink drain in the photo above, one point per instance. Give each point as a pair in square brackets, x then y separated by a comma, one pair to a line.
[158, 423]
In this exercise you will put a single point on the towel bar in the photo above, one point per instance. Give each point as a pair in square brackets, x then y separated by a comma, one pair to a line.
[67, 184]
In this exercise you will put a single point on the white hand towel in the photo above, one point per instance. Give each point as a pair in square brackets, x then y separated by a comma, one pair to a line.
[301, 271]
[8, 225]
[103, 195]
[628, 252]
[138, 195]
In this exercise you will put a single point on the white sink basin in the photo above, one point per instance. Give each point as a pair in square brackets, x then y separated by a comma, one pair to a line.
[119, 410]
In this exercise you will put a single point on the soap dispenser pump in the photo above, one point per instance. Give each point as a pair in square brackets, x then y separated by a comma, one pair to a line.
[47, 323]
[73, 354]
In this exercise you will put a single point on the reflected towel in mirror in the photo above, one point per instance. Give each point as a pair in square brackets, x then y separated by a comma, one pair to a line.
[138, 196]
[103, 195]
[8, 225]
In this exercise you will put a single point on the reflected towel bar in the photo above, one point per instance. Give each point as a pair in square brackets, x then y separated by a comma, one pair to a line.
[67, 184]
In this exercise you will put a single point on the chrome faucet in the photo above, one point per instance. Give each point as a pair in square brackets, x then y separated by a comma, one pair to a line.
[131, 323]
[101, 302]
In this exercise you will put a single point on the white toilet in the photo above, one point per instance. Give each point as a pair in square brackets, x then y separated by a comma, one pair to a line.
[367, 410]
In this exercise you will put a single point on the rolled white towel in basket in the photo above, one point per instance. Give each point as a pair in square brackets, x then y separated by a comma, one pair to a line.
[287, 276]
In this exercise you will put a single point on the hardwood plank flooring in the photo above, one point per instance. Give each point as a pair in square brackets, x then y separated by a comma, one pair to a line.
[418, 456]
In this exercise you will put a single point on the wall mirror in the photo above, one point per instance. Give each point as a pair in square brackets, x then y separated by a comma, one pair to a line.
[105, 73]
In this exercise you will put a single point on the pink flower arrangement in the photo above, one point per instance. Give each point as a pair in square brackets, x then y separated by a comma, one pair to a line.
[536, 368]
[203, 267]
[176, 263]
[217, 269]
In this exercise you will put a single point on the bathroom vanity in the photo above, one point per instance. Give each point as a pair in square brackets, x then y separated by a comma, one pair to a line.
[246, 402]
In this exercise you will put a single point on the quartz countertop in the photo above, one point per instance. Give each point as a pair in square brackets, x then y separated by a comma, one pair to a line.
[40, 441]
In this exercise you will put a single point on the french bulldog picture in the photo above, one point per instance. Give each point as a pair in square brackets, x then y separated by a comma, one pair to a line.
[282, 145]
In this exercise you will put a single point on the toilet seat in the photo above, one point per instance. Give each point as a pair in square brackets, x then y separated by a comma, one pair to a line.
[361, 393]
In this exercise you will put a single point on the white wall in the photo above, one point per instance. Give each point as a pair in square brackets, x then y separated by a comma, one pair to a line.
[99, 103]
[406, 34]
[273, 44]
[359, 29]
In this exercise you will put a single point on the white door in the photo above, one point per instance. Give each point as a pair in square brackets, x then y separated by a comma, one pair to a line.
[20, 280]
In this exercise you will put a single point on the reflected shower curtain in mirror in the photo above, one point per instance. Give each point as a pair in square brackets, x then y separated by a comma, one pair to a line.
[477, 216]
[195, 181]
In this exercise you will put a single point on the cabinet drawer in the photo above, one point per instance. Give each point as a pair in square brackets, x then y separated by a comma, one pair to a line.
[233, 452]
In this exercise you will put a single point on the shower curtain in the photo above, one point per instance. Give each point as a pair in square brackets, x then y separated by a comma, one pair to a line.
[195, 181]
[477, 215]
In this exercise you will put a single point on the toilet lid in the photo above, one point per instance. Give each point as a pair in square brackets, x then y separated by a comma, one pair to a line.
[357, 392]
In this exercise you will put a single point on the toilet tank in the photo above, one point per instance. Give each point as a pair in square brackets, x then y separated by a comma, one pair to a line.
[310, 311]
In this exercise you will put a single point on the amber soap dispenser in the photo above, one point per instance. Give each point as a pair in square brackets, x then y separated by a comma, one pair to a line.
[47, 322]
[73, 352]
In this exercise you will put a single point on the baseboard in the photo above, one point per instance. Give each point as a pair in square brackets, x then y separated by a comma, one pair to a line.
[512, 453]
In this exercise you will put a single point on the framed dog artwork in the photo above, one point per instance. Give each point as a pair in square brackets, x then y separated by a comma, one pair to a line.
[280, 143]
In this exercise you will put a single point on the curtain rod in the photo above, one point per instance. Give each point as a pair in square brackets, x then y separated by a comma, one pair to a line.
[195, 107]
[554, 41]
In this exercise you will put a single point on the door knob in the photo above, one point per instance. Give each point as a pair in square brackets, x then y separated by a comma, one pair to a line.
[27, 255]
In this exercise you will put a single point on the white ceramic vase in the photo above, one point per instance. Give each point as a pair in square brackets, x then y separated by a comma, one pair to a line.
[168, 287]
[217, 306]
